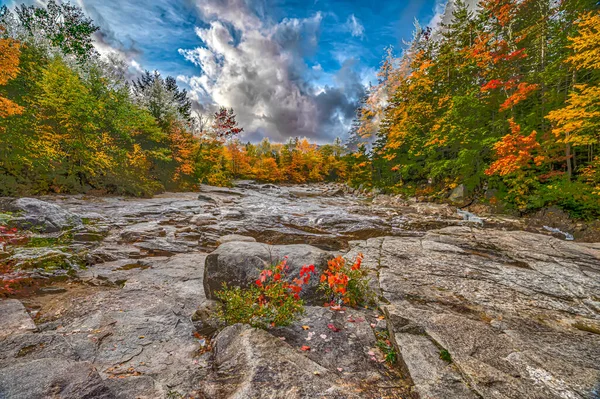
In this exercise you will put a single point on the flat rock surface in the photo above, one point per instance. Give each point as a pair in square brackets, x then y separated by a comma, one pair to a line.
[516, 313]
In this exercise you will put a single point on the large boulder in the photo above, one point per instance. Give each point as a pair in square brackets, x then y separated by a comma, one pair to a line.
[34, 214]
[52, 378]
[240, 263]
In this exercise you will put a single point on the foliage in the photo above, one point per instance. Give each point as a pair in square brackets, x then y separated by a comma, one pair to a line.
[224, 124]
[346, 284]
[504, 98]
[297, 161]
[64, 25]
[386, 346]
[271, 301]
[9, 69]
[76, 127]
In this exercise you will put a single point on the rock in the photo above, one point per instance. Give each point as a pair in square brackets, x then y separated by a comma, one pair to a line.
[52, 378]
[204, 319]
[142, 231]
[88, 237]
[111, 253]
[239, 264]
[270, 187]
[42, 216]
[251, 363]
[432, 376]
[42, 258]
[203, 219]
[235, 238]
[345, 341]
[162, 247]
[506, 315]
[143, 329]
[458, 194]
[15, 319]
[18, 348]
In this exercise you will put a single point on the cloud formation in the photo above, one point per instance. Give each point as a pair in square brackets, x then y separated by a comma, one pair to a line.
[259, 68]
[355, 27]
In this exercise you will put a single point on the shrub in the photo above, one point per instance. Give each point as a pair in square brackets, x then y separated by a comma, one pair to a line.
[271, 301]
[346, 284]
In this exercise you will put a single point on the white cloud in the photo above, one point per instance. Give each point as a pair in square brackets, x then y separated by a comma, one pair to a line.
[136, 66]
[355, 27]
[258, 68]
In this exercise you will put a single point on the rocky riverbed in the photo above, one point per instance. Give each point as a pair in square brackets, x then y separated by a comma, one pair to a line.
[121, 298]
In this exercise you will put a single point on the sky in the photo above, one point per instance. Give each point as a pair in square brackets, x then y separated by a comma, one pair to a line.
[288, 68]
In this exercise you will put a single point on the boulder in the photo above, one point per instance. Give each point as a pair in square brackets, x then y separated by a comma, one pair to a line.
[42, 216]
[14, 317]
[458, 194]
[52, 378]
[239, 264]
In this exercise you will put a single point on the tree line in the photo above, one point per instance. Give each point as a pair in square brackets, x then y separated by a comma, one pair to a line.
[504, 101]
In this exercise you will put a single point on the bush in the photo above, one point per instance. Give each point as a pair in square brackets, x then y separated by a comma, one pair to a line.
[345, 284]
[271, 301]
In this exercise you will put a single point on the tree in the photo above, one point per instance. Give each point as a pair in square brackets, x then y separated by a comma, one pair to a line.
[9, 69]
[162, 98]
[64, 25]
[224, 123]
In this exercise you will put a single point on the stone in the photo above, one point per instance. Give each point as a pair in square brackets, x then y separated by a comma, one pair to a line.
[42, 258]
[28, 346]
[42, 216]
[235, 238]
[240, 263]
[203, 219]
[345, 341]
[251, 363]
[458, 194]
[163, 247]
[204, 319]
[142, 328]
[88, 237]
[14, 317]
[52, 378]
[142, 231]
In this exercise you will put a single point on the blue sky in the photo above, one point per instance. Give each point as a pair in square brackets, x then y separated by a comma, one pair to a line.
[288, 68]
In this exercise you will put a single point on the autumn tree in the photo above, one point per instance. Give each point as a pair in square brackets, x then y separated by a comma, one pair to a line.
[9, 69]
[224, 123]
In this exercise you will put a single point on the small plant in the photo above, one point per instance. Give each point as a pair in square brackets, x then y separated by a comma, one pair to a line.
[445, 356]
[385, 345]
[345, 284]
[271, 301]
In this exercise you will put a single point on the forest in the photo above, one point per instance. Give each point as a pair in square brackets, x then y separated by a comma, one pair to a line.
[504, 100]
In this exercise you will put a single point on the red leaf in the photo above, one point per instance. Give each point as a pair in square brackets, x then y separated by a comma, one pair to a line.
[333, 328]
[305, 348]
